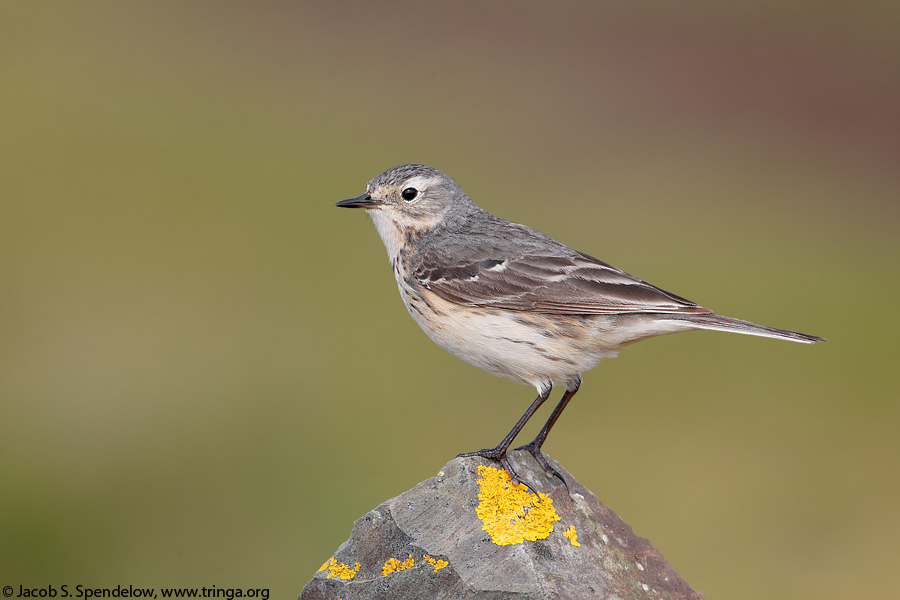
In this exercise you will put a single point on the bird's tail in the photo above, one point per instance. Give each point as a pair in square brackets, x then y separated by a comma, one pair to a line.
[720, 323]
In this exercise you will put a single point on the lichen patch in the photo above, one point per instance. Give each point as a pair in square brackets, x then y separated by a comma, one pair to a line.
[393, 565]
[509, 513]
[572, 535]
[336, 569]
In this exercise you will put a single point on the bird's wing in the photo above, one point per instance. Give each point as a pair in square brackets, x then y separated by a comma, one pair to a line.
[555, 280]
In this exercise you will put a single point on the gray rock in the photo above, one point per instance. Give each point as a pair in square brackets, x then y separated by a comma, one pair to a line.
[434, 542]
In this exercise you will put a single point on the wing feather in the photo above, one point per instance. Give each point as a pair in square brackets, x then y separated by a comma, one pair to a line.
[548, 279]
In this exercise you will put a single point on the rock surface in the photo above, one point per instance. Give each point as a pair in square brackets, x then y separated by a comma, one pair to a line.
[467, 533]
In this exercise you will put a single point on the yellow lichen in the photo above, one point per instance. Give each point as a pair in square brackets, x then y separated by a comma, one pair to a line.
[393, 565]
[509, 513]
[436, 563]
[336, 569]
[572, 535]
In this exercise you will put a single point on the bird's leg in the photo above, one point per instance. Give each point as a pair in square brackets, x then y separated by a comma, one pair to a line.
[499, 452]
[535, 445]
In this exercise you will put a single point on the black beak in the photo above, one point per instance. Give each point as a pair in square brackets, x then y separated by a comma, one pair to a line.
[364, 201]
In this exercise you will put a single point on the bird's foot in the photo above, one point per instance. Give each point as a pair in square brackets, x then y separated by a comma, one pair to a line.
[499, 454]
[535, 451]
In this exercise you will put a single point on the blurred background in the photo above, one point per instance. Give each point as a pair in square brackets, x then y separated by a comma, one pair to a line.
[206, 372]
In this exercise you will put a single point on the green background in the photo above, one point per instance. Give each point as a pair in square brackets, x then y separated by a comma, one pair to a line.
[206, 373]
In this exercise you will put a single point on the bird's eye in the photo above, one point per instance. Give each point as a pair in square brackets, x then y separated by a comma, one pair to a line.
[409, 194]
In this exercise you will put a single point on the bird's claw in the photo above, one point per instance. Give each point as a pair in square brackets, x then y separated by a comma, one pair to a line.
[499, 454]
[535, 450]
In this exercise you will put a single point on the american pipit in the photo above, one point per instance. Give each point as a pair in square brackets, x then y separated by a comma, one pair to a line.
[513, 302]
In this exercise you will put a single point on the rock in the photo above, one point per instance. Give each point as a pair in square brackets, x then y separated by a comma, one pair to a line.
[467, 533]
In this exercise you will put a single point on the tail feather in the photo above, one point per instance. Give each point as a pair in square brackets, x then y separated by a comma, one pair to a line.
[720, 323]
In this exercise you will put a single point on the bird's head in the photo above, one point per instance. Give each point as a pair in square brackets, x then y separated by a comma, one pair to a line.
[409, 201]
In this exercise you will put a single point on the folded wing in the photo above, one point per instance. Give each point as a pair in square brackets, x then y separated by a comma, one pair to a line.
[550, 280]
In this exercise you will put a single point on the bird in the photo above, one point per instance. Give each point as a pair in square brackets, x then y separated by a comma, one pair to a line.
[514, 302]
